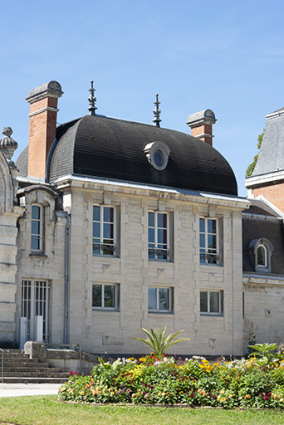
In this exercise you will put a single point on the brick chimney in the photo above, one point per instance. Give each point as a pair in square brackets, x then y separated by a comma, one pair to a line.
[201, 125]
[43, 115]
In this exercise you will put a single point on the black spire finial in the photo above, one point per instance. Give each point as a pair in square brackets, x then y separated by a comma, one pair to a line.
[92, 108]
[157, 112]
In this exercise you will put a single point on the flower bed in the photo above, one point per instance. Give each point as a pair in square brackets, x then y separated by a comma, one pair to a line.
[256, 382]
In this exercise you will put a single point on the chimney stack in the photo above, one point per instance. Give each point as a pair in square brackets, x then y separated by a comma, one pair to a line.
[201, 125]
[43, 117]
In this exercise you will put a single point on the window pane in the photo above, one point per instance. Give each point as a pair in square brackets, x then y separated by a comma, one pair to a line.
[151, 219]
[261, 256]
[214, 302]
[96, 213]
[162, 220]
[202, 225]
[96, 230]
[96, 249]
[108, 214]
[152, 299]
[35, 212]
[35, 227]
[164, 302]
[151, 235]
[162, 236]
[109, 296]
[211, 242]
[108, 231]
[203, 302]
[211, 226]
[202, 240]
[35, 243]
[97, 296]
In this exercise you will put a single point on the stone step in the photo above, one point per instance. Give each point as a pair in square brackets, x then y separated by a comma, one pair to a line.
[24, 363]
[38, 374]
[37, 380]
[32, 370]
[15, 355]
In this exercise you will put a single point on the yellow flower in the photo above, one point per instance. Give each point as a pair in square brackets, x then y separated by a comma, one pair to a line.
[82, 393]
[62, 389]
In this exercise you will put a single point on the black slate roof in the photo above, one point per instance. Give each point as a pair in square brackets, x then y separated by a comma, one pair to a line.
[271, 154]
[103, 147]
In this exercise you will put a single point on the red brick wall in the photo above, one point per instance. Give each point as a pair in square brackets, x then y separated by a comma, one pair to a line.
[41, 135]
[203, 129]
[274, 193]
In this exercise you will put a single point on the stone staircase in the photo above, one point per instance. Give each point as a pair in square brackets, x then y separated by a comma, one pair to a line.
[20, 368]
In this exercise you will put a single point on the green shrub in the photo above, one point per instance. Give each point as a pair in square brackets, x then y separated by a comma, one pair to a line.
[158, 379]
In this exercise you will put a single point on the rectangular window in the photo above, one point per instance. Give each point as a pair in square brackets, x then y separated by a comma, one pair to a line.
[159, 300]
[208, 241]
[211, 302]
[103, 230]
[158, 236]
[105, 296]
[36, 228]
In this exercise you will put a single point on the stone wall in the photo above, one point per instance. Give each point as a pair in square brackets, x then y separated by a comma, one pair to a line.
[263, 310]
[109, 332]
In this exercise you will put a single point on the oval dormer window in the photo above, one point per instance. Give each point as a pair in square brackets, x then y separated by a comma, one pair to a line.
[157, 154]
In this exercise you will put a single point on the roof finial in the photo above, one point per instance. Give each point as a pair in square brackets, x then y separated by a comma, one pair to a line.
[157, 112]
[92, 108]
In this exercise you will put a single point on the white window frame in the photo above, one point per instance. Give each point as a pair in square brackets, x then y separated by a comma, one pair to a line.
[156, 248]
[157, 309]
[116, 295]
[209, 255]
[220, 301]
[102, 244]
[39, 235]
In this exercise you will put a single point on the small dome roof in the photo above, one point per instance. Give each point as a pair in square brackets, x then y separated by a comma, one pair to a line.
[102, 147]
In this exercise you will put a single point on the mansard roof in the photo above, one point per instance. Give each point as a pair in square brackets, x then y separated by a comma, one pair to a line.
[109, 148]
[271, 154]
[260, 221]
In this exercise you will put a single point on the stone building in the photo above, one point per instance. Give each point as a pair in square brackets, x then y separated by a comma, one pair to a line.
[116, 226]
[263, 241]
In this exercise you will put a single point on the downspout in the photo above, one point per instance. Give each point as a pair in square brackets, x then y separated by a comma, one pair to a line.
[66, 280]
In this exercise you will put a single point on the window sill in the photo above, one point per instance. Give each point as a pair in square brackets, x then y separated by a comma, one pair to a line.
[161, 312]
[105, 256]
[104, 310]
[154, 260]
[38, 254]
[211, 315]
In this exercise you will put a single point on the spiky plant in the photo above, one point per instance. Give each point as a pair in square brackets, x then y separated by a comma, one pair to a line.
[158, 342]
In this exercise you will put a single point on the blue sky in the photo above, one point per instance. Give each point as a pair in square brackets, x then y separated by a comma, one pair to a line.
[222, 55]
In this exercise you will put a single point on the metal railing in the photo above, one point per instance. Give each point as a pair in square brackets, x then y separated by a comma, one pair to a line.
[7, 351]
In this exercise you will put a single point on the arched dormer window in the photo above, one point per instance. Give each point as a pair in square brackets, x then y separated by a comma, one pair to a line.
[37, 228]
[261, 250]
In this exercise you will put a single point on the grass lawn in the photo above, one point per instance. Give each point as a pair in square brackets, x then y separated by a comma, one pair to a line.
[44, 410]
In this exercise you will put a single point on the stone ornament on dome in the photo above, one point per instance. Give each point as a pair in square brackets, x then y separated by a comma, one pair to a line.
[8, 145]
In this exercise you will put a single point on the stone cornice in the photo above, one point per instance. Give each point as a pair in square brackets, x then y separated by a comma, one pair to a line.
[86, 183]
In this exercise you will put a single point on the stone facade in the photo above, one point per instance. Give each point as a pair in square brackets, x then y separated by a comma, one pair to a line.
[55, 274]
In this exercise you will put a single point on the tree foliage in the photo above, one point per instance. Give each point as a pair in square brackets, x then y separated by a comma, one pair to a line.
[251, 167]
[158, 342]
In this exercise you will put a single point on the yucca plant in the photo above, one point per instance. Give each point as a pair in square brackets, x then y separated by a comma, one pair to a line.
[158, 342]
